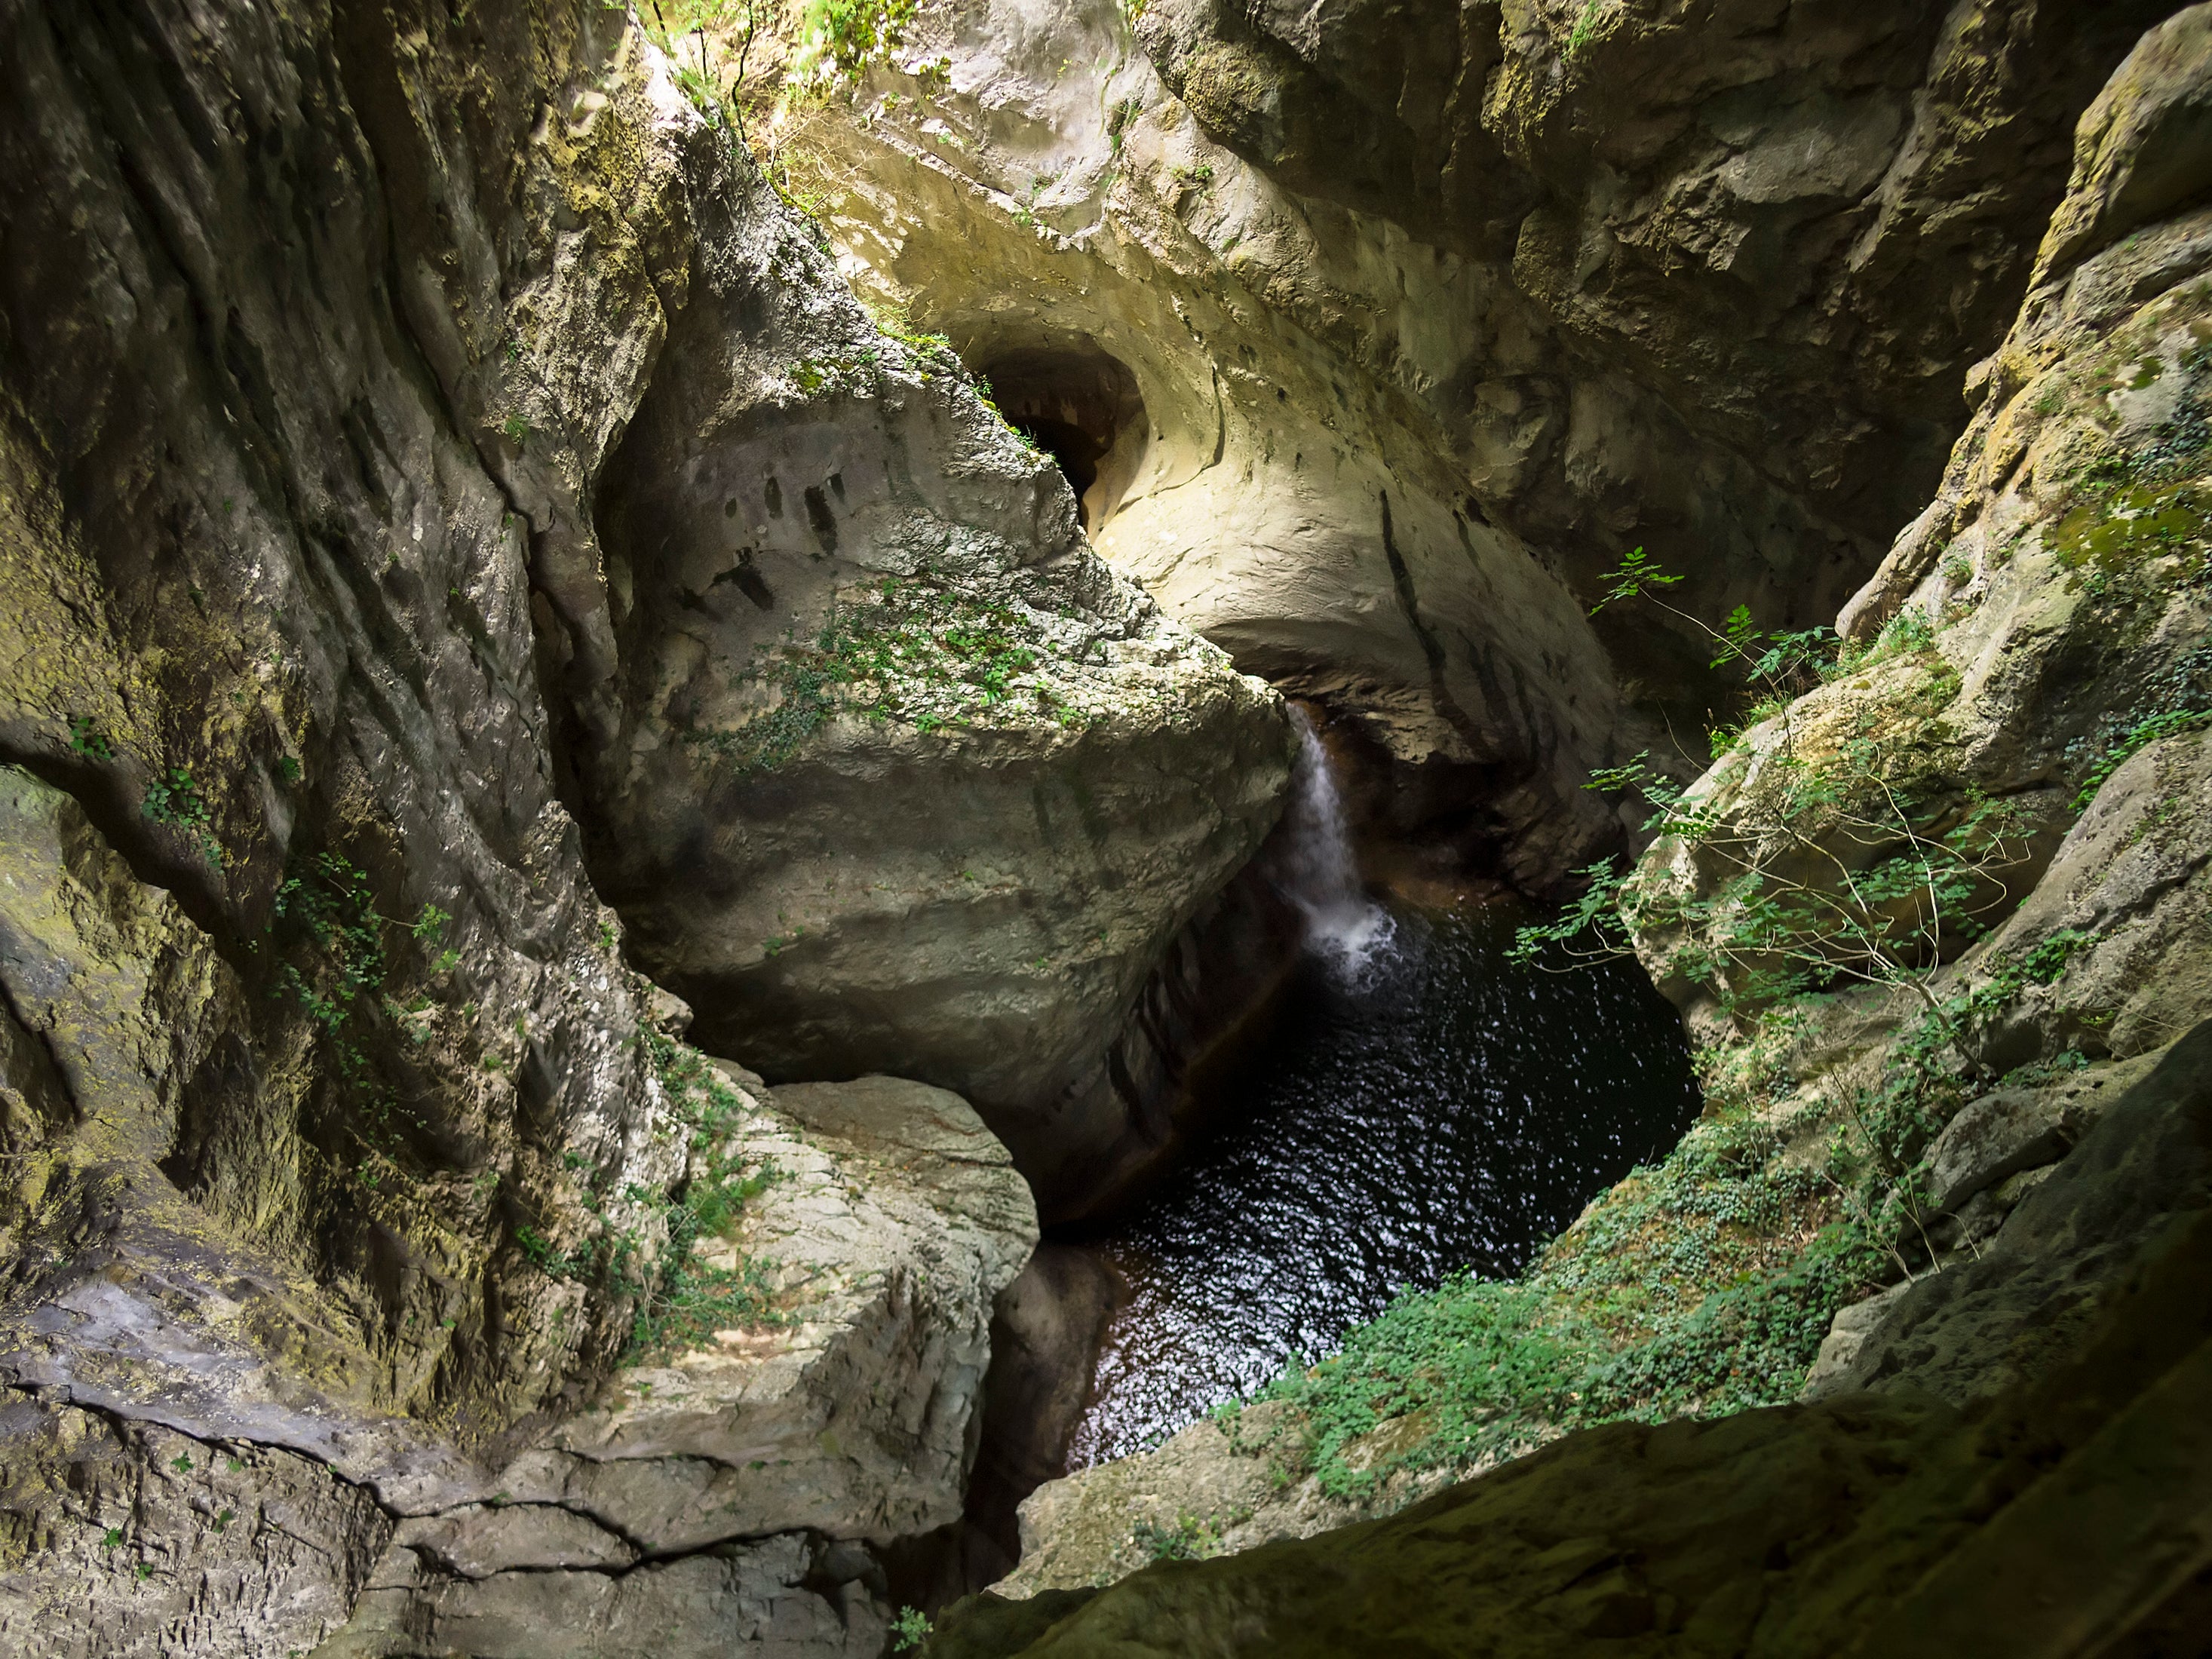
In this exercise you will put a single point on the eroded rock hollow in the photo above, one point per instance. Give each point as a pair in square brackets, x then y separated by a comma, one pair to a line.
[646, 720]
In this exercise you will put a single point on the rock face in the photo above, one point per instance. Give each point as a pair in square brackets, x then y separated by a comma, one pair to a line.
[382, 384]
[894, 1222]
[1227, 1486]
[224, 1546]
[2020, 1305]
[442, 488]
[1045, 1340]
[773, 1453]
[1236, 369]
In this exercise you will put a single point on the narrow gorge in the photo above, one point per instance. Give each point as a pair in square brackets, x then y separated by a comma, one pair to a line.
[1105, 828]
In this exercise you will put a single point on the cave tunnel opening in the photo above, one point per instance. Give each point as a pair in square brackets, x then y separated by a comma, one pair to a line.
[1080, 404]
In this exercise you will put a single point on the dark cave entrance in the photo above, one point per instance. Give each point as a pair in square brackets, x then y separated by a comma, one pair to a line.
[1080, 405]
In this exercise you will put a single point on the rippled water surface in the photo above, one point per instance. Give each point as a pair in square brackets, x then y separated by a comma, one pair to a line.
[1439, 1109]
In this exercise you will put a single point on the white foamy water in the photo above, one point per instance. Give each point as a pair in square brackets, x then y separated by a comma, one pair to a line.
[1343, 926]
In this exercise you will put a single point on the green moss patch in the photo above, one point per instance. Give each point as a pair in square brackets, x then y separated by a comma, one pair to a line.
[911, 651]
[1700, 1286]
[2134, 523]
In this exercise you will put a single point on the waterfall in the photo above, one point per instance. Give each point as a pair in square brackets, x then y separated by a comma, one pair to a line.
[1343, 926]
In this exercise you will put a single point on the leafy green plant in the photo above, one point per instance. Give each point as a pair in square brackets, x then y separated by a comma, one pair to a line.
[2138, 737]
[891, 649]
[681, 1304]
[539, 1250]
[910, 1630]
[174, 800]
[87, 739]
[1189, 1539]
[1831, 870]
[1585, 26]
[1777, 666]
[892, 321]
[839, 39]
[1119, 119]
[686, 40]
[332, 937]
[1700, 1286]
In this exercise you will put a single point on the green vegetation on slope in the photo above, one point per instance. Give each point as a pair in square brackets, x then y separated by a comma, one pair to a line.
[685, 1304]
[1699, 1287]
[908, 650]
[1703, 1286]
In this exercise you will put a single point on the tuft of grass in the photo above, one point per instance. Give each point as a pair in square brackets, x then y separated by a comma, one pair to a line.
[1585, 26]
[893, 322]
[683, 1304]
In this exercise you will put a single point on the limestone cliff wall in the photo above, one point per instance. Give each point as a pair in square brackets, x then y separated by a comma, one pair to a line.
[1553, 280]
[1279, 481]
[379, 386]
[1751, 249]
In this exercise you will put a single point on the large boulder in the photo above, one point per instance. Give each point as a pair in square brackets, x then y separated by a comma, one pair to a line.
[885, 769]
[725, 1463]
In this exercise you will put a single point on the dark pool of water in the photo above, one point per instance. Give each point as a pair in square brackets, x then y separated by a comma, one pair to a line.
[1443, 1108]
